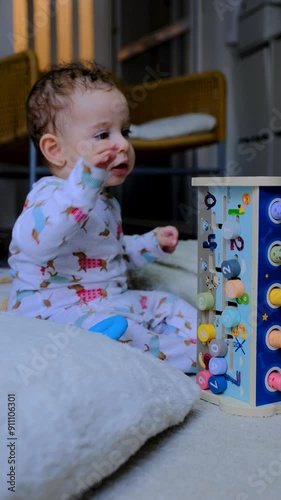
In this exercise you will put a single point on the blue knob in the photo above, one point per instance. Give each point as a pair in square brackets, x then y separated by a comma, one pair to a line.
[230, 268]
[218, 366]
[230, 317]
[217, 384]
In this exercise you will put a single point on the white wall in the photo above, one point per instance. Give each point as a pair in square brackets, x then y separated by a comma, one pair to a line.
[103, 32]
[6, 27]
[215, 53]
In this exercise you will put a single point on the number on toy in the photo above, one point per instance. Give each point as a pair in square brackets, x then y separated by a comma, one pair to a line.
[210, 200]
[201, 303]
[226, 270]
[244, 299]
[214, 384]
[211, 244]
[238, 243]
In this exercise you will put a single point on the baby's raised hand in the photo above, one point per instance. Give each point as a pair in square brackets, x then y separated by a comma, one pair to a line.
[102, 154]
[167, 238]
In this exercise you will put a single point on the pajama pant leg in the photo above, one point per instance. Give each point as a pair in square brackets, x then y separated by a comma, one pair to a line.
[173, 350]
[175, 322]
[160, 324]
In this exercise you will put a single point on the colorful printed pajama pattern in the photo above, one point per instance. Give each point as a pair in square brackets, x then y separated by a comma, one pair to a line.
[159, 323]
[70, 258]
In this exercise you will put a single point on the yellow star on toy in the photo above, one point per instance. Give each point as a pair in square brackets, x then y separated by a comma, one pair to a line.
[267, 276]
[264, 317]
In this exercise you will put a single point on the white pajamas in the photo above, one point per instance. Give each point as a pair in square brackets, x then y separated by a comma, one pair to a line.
[69, 259]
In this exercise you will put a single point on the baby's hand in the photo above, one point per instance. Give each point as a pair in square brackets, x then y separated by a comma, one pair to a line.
[102, 154]
[167, 238]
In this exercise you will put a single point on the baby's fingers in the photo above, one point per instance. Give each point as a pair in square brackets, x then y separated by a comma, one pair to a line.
[104, 159]
[104, 146]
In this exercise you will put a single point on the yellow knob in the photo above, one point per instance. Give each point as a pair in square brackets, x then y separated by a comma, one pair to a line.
[275, 297]
[206, 333]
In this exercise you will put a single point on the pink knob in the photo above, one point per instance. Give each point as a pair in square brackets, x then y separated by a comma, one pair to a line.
[202, 379]
[274, 380]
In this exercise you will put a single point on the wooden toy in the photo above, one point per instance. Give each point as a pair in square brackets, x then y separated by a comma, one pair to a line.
[239, 293]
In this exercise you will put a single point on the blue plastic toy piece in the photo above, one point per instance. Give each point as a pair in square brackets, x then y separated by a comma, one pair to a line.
[275, 210]
[113, 327]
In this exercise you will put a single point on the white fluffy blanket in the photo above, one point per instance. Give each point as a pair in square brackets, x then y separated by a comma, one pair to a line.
[177, 273]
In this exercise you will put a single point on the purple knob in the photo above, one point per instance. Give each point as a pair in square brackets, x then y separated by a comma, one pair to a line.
[275, 210]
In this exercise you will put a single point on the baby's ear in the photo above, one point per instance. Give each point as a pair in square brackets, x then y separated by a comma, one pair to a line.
[52, 149]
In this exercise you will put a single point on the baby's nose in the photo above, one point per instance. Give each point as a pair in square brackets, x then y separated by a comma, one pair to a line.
[122, 145]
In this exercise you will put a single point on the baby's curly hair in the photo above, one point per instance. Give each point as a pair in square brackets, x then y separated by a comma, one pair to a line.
[53, 91]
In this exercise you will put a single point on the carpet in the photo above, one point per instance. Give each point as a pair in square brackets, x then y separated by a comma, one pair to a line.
[212, 455]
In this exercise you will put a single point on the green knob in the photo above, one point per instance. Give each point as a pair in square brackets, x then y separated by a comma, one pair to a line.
[275, 254]
[205, 301]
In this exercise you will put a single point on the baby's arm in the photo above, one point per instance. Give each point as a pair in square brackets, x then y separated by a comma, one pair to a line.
[141, 249]
[56, 211]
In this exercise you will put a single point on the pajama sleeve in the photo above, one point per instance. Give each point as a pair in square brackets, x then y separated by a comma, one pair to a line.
[55, 210]
[142, 249]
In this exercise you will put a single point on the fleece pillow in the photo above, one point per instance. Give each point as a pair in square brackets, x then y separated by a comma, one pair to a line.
[79, 405]
[176, 273]
[173, 126]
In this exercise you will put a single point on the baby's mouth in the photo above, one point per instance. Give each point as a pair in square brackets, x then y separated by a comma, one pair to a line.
[120, 169]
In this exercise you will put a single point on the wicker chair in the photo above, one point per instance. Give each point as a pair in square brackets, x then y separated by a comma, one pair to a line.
[203, 92]
[19, 72]
[196, 93]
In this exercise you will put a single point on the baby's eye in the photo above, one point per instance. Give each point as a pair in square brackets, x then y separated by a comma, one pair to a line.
[102, 136]
[126, 132]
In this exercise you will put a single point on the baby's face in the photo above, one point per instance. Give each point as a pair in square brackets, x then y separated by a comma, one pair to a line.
[98, 115]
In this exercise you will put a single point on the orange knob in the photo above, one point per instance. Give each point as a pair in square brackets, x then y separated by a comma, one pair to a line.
[274, 338]
[234, 289]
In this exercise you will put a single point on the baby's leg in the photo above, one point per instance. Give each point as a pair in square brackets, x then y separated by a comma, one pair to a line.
[174, 350]
[105, 322]
[174, 317]
[144, 312]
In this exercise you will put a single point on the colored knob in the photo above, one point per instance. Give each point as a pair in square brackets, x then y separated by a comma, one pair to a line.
[205, 301]
[274, 380]
[230, 268]
[218, 366]
[275, 254]
[274, 297]
[275, 210]
[217, 384]
[274, 338]
[234, 289]
[202, 379]
[206, 332]
[231, 229]
[230, 317]
[218, 347]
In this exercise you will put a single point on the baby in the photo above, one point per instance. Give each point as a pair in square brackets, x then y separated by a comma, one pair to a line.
[69, 255]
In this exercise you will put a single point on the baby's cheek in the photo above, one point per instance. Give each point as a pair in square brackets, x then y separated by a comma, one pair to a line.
[132, 155]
